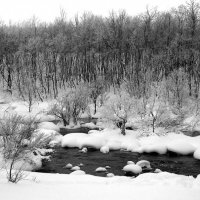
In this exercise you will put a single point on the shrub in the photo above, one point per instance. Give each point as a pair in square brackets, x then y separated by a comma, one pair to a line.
[18, 143]
[70, 105]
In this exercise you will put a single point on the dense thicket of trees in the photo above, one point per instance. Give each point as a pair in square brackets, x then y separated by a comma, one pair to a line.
[39, 58]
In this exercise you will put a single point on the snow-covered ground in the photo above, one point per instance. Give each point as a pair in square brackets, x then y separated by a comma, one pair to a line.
[161, 186]
[78, 186]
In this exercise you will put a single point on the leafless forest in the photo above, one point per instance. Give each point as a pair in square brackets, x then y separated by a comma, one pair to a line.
[38, 59]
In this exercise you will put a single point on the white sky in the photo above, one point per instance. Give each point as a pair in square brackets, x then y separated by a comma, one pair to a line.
[47, 10]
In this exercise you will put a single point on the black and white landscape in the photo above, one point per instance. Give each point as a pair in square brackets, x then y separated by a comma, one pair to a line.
[100, 105]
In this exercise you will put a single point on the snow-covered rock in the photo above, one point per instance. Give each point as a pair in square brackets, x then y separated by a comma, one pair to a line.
[100, 169]
[84, 150]
[68, 166]
[104, 149]
[197, 154]
[130, 162]
[135, 169]
[75, 168]
[144, 163]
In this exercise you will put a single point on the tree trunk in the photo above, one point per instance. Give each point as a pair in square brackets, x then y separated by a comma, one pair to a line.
[64, 122]
[123, 127]
[95, 106]
[153, 124]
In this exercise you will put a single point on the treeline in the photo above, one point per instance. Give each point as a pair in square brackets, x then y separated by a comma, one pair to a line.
[39, 58]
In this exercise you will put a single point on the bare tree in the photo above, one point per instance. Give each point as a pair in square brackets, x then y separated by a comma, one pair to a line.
[119, 108]
[156, 105]
[96, 89]
[61, 109]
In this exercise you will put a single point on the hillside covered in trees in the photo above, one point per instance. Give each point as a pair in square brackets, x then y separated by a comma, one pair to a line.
[41, 58]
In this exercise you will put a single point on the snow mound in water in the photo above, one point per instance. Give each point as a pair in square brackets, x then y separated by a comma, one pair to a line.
[94, 141]
[101, 169]
[181, 147]
[135, 169]
[130, 162]
[113, 140]
[144, 163]
[197, 154]
[75, 168]
[83, 150]
[73, 140]
[108, 138]
[104, 149]
[114, 144]
[68, 166]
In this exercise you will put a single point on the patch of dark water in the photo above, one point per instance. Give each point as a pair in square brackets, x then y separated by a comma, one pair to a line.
[116, 160]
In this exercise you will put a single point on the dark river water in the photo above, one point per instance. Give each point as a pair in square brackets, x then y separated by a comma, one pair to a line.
[185, 165]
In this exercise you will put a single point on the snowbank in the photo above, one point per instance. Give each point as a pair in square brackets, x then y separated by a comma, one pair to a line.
[179, 147]
[38, 110]
[148, 186]
[78, 172]
[109, 139]
[48, 126]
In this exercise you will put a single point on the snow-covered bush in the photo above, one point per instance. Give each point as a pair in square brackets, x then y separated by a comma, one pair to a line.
[18, 144]
[119, 108]
[61, 109]
[70, 105]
